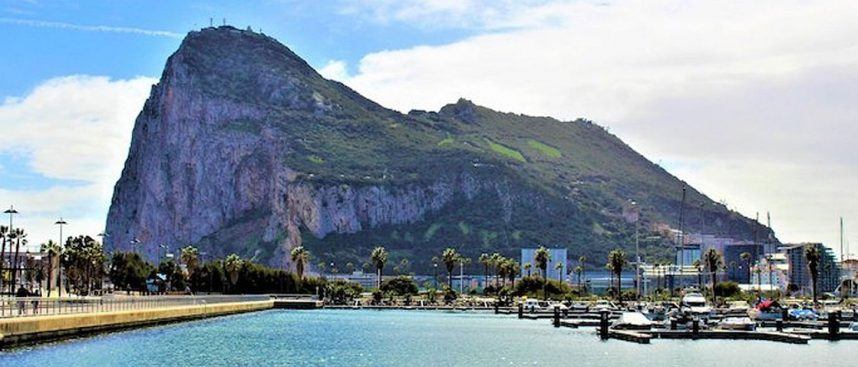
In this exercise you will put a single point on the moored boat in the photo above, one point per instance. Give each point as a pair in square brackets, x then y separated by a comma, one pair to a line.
[738, 323]
[632, 321]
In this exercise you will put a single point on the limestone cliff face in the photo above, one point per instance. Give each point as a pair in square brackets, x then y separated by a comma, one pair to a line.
[201, 162]
[243, 147]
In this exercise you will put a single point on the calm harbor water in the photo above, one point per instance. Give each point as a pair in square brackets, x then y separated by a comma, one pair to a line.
[400, 338]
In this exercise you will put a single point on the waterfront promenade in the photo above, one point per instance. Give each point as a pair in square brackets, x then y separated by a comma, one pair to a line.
[26, 322]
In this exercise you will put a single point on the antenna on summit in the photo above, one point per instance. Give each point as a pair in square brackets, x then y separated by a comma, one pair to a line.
[224, 21]
[211, 22]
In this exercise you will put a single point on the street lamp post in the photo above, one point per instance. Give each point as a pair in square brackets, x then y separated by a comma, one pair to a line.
[637, 250]
[165, 252]
[134, 243]
[60, 223]
[435, 276]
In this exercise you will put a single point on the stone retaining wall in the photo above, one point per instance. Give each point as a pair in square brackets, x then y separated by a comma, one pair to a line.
[25, 330]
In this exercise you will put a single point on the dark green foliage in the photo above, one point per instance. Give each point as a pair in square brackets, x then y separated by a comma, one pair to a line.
[449, 295]
[342, 292]
[727, 289]
[83, 264]
[532, 287]
[253, 278]
[128, 271]
[400, 286]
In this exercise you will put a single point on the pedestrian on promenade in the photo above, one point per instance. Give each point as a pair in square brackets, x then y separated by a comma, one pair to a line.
[22, 304]
[37, 294]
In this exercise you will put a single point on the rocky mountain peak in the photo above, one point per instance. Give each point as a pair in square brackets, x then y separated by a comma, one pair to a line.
[463, 110]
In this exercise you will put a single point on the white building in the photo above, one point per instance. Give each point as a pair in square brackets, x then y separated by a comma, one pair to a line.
[556, 256]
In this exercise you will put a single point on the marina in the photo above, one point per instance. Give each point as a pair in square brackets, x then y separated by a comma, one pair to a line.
[336, 337]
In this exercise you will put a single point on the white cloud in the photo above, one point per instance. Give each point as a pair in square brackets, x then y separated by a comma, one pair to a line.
[70, 128]
[335, 70]
[466, 14]
[90, 28]
[757, 97]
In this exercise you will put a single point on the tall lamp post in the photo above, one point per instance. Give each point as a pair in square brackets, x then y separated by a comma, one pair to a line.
[134, 243]
[60, 223]
[637, 249]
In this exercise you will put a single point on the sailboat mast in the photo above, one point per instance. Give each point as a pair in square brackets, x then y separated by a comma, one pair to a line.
[681, 236]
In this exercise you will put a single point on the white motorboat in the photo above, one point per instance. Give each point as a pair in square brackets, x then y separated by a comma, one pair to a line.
[602, 305]
[695, 304]
[738, 323]
[632, 321]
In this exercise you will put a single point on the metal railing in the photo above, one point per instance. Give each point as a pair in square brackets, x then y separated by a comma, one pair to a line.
[40, 306]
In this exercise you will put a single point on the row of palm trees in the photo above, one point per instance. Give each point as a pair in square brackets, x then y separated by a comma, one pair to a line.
[503, 268]
[16, 237]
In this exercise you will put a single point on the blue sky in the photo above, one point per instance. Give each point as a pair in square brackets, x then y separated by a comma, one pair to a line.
[33, 33]
[751, 102]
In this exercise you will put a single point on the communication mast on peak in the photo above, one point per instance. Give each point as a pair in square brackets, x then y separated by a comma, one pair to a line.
[211, 22]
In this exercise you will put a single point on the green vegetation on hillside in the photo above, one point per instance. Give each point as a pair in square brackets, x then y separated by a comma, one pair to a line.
[547, 150]
[506, 151]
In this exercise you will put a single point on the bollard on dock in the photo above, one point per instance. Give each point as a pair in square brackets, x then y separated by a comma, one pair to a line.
[556, 316]
[779, 324]
[672, 324]
[695, 328]
[833, 325]
[521, 310]
[496, 308]
[603, 325]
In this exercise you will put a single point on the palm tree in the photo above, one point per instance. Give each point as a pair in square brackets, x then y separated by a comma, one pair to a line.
[747, 257]
[527, 267]
[514, 269]
[191, 257]
[496, 259]
[578, 270]
[378, 257]
[582, 263]
[450, 257]
[713, 261]
[232, 265]
[503, 270]
[18, 235]
[300, 257]
[53, 250]
[699, 266]
[559, 268]
[811, 253]
[485, 259]
[542, 257]
[616, 261]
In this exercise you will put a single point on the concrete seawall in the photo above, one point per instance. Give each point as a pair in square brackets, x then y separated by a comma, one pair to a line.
[26, 330]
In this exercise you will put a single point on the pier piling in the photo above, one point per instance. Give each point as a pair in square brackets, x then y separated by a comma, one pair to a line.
[695, 328]
[496, 308]
[556, 316]
[520, 311]
[779, 325]
[603, 325]
[833, 325]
